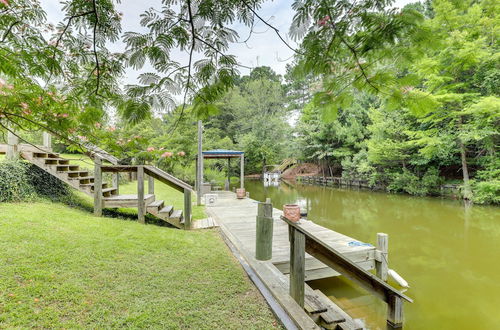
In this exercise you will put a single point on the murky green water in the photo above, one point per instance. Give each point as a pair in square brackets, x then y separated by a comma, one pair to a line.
[450, 255]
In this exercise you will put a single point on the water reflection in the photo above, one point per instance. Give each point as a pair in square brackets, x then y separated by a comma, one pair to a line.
[445, 249]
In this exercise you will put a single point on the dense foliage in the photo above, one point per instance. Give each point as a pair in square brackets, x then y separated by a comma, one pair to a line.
[455, 136]
[21, 181]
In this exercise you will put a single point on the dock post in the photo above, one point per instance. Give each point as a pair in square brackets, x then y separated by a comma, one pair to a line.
[187, 208]
[264, 232]
[297, 265]
[47, 141]
[97, 186]
[381, 260]
[12, 149]
[151, 185]
[141, 207]
[394, 313]
[116, 182]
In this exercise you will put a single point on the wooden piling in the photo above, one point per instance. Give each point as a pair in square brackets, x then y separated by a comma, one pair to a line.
[151, 185]
[141, 207]
[394, 312]
[264, 231]
[382, 252]
[297, 265]
[47, 141]
[97, 186]
[116, 182]
[187, 208]
[12, 143]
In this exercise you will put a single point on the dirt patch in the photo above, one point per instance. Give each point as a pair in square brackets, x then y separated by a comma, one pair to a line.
[305, 169]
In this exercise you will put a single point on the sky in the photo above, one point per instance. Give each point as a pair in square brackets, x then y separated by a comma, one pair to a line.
[264, 48]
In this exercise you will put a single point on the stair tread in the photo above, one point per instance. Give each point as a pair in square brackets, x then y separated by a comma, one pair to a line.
[126, 197]
[108, 189]
[176, 214]
[157, 203]
[167, 209]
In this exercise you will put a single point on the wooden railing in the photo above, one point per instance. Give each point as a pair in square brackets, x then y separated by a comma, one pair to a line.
[302, 241]
[142, 170]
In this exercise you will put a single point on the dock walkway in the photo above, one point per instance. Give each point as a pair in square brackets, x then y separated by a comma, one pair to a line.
[237, 221]
[238, 216]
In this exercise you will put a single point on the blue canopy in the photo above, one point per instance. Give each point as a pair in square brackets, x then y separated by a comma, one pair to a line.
[222, 153]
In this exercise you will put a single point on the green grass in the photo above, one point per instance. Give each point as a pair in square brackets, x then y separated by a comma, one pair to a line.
[63, 268]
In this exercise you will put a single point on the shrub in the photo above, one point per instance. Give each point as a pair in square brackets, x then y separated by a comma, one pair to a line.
[22, 181]
[14, 183]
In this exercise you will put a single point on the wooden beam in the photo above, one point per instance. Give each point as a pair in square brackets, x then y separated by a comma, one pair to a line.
[264, 231]
[119, 168]
[47, 140]
[97, 187]
[395, 312]
[297, 266]
[12, 146]
[187, 208]
[116, 182]
[242, 171]
[199, 174]
[141, 207]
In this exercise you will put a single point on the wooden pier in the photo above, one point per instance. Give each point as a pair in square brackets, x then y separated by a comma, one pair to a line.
[285, 272]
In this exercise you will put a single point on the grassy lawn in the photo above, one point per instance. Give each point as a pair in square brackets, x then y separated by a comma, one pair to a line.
[63, 268]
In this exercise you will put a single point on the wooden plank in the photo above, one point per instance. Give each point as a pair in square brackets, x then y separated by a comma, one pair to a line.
[297, 266]
[166, 178]
[395, 312]
[141, 207]
[119, 168]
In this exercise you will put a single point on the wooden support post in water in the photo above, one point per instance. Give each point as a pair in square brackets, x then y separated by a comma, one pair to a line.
[12, 142]
[187, 208]
[97, 186]
[151, 185]
[381, 260]
[297, 265]
[264, 231]
[141, 207]
[394, 313]
[47, 141]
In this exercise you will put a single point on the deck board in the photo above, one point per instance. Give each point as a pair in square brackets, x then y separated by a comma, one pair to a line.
[239, 217]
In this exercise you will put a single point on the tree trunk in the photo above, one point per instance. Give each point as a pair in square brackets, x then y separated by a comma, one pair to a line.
[465, 170]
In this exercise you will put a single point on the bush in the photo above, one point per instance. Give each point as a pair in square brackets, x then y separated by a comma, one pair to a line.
[486, 192]
[22, 181]
[14, 183]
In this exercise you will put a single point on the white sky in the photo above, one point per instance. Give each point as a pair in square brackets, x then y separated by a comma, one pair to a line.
[262, 49]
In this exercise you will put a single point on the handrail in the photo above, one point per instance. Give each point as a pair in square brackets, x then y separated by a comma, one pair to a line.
[166, 178]
[323, 252]
[94, 150]
[153, 171]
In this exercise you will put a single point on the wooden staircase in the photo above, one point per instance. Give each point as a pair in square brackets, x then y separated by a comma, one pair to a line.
[83, 180]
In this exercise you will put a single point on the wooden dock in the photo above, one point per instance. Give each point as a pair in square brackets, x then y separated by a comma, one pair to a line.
[238, 216]
[237, 221]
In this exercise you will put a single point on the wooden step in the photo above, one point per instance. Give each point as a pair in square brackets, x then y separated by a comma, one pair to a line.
[55, 161]
[155, 207]
[62, 168]
[84, 179]
[91, 185]
[126, 200]
[76, 174]
[177, 214]
[109, 192]
[166, 211]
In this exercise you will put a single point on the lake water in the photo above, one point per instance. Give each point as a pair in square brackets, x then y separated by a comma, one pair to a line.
[449, 254]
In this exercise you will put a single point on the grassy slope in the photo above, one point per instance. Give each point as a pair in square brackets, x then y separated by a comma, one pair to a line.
[62, 267]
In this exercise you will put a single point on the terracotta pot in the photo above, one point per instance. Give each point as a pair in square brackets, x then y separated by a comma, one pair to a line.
[291, 212]
[240, 193]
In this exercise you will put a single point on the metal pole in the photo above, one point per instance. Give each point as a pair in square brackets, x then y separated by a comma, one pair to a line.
[242, 171]
[199, 178]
